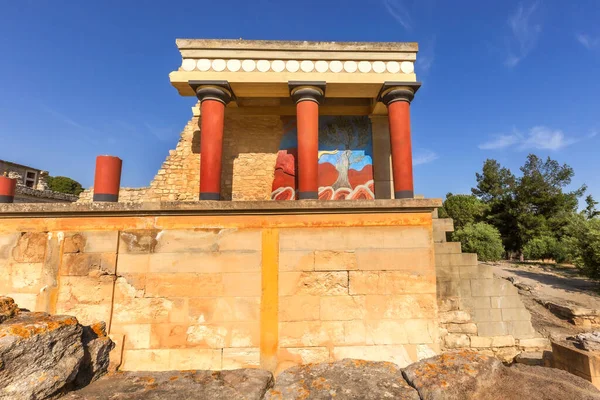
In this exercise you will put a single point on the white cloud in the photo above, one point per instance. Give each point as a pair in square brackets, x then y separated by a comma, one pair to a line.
[524, 34]
[424, 157]
[399, 11]
[587, 41]
[426, 55]
[538, 138]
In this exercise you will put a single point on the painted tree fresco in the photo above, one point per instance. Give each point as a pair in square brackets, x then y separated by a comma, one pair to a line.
[345, 160]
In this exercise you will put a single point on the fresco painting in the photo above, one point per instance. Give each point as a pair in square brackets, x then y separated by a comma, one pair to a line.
[345, 159]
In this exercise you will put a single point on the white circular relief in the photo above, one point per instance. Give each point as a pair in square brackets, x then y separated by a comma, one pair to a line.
[278, 65]
[263, 65]
[379, 66]
[350, 66]
[248, 65]
[234, 65]
[219, 65]
[336, 66]
[393, 67]
[307, 66]
[204, 64]
[188, 64]
[321, 66]
[292, 65]
[364, 66]
[407, 67]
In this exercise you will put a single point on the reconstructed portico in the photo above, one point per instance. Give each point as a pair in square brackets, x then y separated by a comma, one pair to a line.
[305, 80]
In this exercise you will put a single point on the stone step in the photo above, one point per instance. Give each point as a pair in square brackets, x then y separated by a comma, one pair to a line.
[447, 248]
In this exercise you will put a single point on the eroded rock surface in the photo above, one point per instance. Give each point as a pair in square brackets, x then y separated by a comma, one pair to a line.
[468, 375]
[246, 384]
[8, 308]
[40, 354]
[345, 379]
[96, 347]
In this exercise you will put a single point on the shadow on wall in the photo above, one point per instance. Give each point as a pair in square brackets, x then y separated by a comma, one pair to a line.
[345, 159]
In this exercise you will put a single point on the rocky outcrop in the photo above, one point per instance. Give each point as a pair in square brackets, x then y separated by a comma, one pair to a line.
[43, 355]
[467, 375]
[246, 384]
[345, 379]
[8, 308]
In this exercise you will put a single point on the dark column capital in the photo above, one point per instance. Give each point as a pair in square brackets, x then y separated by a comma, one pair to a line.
[398, 91]
[212, 90]
[303, 91]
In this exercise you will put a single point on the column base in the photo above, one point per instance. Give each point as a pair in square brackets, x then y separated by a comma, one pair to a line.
[112, 198]
[404, 194]
[210, 196]
[308, 196]
[6, 199]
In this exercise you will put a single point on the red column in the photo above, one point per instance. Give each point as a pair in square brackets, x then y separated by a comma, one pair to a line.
[307, 114]
[107, 179]
[401, 149]
[397, 99]
[7, 189]
[212, 113]
[211, 148]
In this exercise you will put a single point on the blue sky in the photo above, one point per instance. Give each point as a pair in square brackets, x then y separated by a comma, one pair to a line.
[500, 78]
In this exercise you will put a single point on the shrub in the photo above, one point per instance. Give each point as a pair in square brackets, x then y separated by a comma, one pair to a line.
[541, 248]
[463, 209]
[64, 184]
[587, 239]
[480, 238]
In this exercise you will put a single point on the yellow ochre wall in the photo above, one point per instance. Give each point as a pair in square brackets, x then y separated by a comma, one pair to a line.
[223, 292]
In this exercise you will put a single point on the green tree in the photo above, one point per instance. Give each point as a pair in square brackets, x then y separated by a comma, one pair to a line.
[480, 238]
[463, 209]
[590, 210]
[64, 184]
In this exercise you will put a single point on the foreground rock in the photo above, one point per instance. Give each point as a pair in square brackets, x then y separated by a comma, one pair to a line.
[588, 341]
[42, 355]
[8, 308]
[247, 384]
[346, 379]
[468, 375]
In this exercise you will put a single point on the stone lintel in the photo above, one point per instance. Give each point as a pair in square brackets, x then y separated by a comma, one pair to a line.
[30, 210]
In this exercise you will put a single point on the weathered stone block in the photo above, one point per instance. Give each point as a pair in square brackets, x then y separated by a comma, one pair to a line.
[342, 308]
[136, 336]
[486, 315]
[380, 332]
[492, 328]
[489, 287]
[26, 276]
[503, 341]
[184, 285]
[364, 282]
[468, 328]
[304, 355]
[535, 343]
[506, 302]
[447, 273]
[224, 309]
[313, 283]
[520, 329]
[206, 263]
[472, 303]
[138, 241]
[241, 284]
[396, 354]
[146, 360]
[459, 259]
[400, 306]
[448, 289]
[133, 263]
[30, 247]
[447, 248]
[299, 308]
[480, 342]
[101, 242]
[168, 336]
[516, 314]
[209, 336]
[421, 331]
[457, 316]
[326, 260]
[456, 341]
[83, 264]
[394, 259]
[301, 260]
[234, 358]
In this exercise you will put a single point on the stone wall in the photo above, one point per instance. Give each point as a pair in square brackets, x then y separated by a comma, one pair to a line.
[477, 309]
[229, 291]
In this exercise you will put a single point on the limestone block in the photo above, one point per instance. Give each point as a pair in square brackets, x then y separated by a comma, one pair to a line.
[304, 355]
[364, 282]
[379, 332]
[138, 241]
[457, 316]
[313, 283]
[396, 354]
[184, 285]
[87, 314]
[506, 354]
[468, 328]
[326, 260]
[465, 288]
[204, 262]
[492, 328]
[448, 304]
[475, 303]
[207, 240]
[503, 341]
[116, 354]
[311, 333]
[241, 284]
[74, 243]
[448, 289]
[30, 247]
[101, 241]
[245, 334]
[506, 302]
[486, 315]
[421, 331]
[210, 336]
[479, 342]
[535, 343]
[168, 336]
[224, 309]
[398, 282]
[475, 272]
[459, 259]
[8, 241]
[400, 306]
[342, 308]
[136, 336]
[456, 341]
[520, 329]
[516, 314]
[133, 263]
[394, 259]
[300, 260]
[24, 300]
[234, 358]
[84, 289]
[26, 276]
[447, 248]
[299, 308]
[83, 264]
[447, 273]
[142, 311]
[489, 287]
